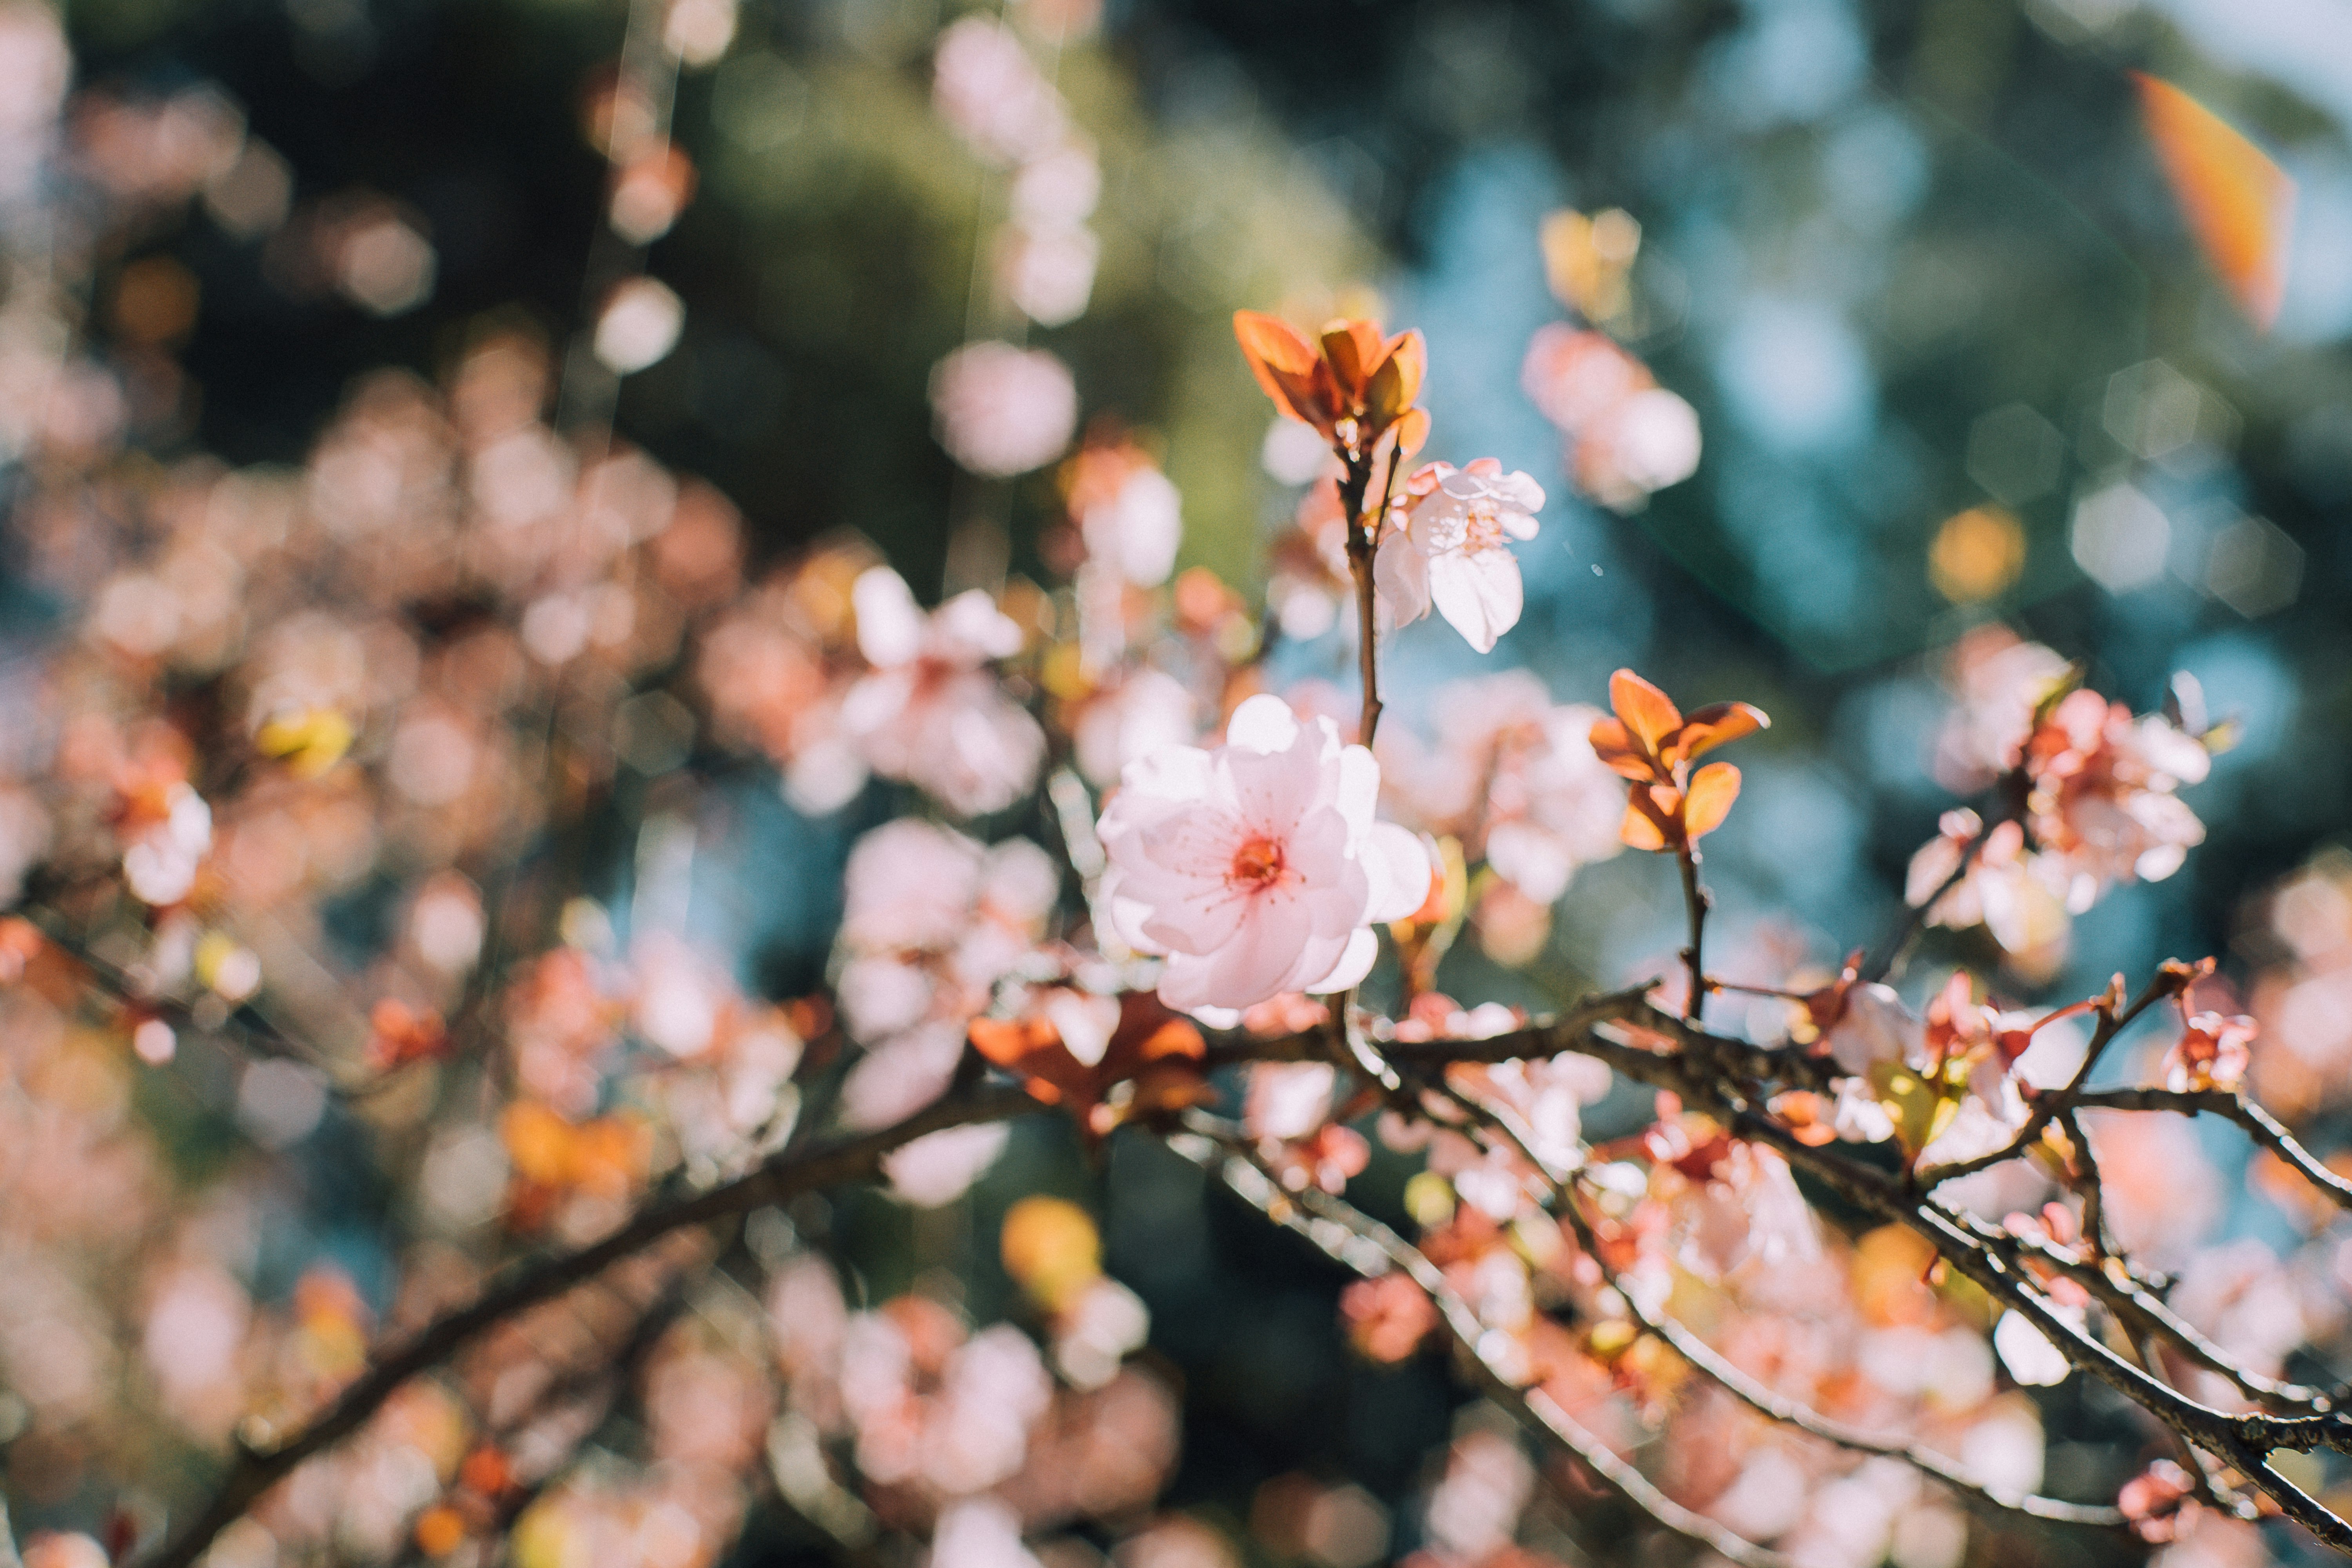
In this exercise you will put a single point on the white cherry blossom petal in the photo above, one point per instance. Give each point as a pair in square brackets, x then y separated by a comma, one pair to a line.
[1478, 592]
[1397, 866]
[1354, 963]
[1263, 724]
[889, 623]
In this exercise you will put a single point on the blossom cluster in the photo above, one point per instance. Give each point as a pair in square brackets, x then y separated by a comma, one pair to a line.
[383, 814]
[2089, 800]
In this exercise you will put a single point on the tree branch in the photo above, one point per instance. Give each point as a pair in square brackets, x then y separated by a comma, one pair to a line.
[1371, 1249]
[1716, 1367]
[2265, 1128]
[256, 1471]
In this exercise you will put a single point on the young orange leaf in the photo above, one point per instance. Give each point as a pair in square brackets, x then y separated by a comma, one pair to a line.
[1712, 790]
[1640, 830]
[1413, 431]
[1353, 350]
[1716, 724]
[1615, 746]
[1410, 352]
[1647, 711]
[1284, 362]
[2237, 203]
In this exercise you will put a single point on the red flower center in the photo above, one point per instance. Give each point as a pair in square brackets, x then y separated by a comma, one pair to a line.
[1256, 863]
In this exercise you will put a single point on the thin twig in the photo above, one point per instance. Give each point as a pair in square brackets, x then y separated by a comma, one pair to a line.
[2047, 1105]
[1916, 921]
[1695, 900]
[2265, 1128]
[1720, 1368]
[1532, 1406]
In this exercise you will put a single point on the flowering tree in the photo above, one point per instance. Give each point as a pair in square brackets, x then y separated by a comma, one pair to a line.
[313, 794]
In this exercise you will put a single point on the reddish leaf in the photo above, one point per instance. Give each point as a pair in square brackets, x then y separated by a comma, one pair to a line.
[1397, 381]
[1413, 431]
[1353, 350]
[1716, 724]
[1285, 364]
[1649, 713]
[1615, 746]
[1410, 352]
[1031, 1048]
[1159, 1052]
[1712, 790]
[1641, 829]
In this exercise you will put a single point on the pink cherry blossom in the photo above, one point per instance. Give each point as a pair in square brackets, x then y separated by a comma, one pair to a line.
[1450, 549]
[930, 712]
[1515, 777]
[1256, 867]
[2103, 794]
[1147, 711]
[1001, 410]
[1644, 443]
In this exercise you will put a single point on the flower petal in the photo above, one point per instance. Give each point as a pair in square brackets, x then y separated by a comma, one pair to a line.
[1479, 592]
[1264, 724]
[1397, 866]
[1354, 963]
[1358, 791]
[890, 623]
[1401, 578]
[1260, 951]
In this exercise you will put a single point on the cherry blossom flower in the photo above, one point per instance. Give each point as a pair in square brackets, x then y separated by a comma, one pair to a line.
[1642, 445]
[1576, 375]
[2212, 1052]
[1996, 680]
[1147, 711]
[984, 84]
[161, 859]
[2103, 796]
[930, 712]
[1515, 777]
[1256, 867]
[1449, 551]
[1001, 410]
[1128, 513]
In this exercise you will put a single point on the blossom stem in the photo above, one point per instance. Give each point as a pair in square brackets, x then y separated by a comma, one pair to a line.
[1363, 546]
[1696, 900]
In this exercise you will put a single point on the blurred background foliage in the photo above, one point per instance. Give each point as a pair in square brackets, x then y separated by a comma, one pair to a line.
[1913, 263]
[1916, 266]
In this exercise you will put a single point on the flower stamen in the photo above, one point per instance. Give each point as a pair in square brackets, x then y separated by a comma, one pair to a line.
[1257, 864]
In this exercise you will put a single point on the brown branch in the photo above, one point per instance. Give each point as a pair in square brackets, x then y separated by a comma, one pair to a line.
[1697, 901]
[1363, 544]
[2143, 1313]
[255, 1471]
[1532, 1406]
[2049, 1104]
[2243, 1440]
[1716, 1367]
[2265, 1128]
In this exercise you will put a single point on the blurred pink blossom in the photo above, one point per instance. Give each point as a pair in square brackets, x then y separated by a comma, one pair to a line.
[1001, 410]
